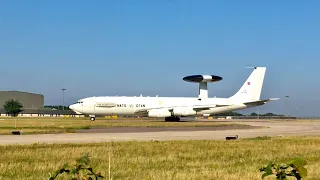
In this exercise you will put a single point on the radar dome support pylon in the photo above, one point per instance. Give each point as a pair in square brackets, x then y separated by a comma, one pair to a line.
[203, 81]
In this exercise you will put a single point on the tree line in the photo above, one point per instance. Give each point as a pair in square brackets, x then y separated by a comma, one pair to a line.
[57, 107]
[252, 114]
[14, 107]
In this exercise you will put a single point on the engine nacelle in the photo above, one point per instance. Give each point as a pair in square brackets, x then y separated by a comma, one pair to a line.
[184, 112]
[159, 113]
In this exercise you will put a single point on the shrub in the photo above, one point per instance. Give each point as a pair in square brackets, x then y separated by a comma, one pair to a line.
[293, 168]
[81, 170]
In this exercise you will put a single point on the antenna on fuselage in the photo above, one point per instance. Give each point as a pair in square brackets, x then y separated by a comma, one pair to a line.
[203, 81]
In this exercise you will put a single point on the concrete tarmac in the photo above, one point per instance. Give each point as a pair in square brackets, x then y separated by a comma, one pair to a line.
[263, 128]
[160, 129]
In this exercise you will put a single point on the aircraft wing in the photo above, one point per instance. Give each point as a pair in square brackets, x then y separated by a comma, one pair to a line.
[199, 108]
[170, 108]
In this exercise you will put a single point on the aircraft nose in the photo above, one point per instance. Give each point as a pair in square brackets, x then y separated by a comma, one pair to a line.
[72, 107]
[75, 108]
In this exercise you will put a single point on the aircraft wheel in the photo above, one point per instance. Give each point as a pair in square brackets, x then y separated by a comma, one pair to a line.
[172, 119]
[92, 118]
[168, 119]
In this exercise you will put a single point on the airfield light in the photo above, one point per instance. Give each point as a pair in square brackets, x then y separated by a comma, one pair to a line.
[287, 104]
[63, 98]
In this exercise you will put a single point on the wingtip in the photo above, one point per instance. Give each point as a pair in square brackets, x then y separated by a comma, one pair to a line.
[274, 99]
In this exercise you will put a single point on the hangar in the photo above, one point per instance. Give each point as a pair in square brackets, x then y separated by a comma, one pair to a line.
[33, 105]
[28, 100]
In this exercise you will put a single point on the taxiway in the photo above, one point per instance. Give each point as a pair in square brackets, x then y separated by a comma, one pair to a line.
[261, 128]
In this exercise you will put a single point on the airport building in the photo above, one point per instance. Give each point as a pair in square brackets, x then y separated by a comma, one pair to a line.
[28, 100]
[33, 105]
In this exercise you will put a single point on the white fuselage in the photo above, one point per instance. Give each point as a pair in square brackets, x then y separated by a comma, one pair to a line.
[116, 105]
[247, 96]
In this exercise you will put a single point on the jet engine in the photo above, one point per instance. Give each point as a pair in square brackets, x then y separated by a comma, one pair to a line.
[184, 112]
[159, 113]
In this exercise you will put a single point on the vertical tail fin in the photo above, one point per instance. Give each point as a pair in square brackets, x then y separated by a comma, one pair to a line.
[251, 89]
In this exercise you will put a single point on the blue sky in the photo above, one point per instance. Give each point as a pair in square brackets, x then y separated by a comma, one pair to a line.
[147, 47]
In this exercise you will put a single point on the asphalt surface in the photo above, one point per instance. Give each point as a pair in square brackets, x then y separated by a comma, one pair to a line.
[159, 129]
[274, 128]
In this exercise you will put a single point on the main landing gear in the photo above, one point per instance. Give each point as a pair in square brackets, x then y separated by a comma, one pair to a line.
[92, 118]
[172, 119]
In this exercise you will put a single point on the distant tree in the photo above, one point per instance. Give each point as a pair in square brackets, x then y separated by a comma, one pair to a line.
[237, 114]
[230, 114]
[12, 107]
[270, 114]
[57, 107]
[253, 114]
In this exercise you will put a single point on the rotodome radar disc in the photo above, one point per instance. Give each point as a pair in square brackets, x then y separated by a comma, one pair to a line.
[202, 78]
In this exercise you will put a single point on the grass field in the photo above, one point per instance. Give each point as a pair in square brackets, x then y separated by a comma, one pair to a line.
[63, 125]
[232, 160]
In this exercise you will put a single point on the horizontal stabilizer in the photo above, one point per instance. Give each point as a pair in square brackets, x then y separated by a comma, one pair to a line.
[260, 102]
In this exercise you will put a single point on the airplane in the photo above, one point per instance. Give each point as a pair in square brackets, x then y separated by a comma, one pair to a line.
[172, 108]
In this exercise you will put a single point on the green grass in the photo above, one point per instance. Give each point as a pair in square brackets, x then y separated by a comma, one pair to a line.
[260, 138]
[232, 160]
[69, 125]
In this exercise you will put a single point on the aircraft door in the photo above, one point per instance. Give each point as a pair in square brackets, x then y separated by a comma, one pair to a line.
[89, 106]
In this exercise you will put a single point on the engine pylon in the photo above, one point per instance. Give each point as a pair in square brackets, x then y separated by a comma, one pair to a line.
[203, 81]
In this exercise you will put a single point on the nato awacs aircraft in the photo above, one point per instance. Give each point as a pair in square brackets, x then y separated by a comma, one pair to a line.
[172, 108]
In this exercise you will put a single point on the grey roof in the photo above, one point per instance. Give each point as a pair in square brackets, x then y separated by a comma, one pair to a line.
[15, 91]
